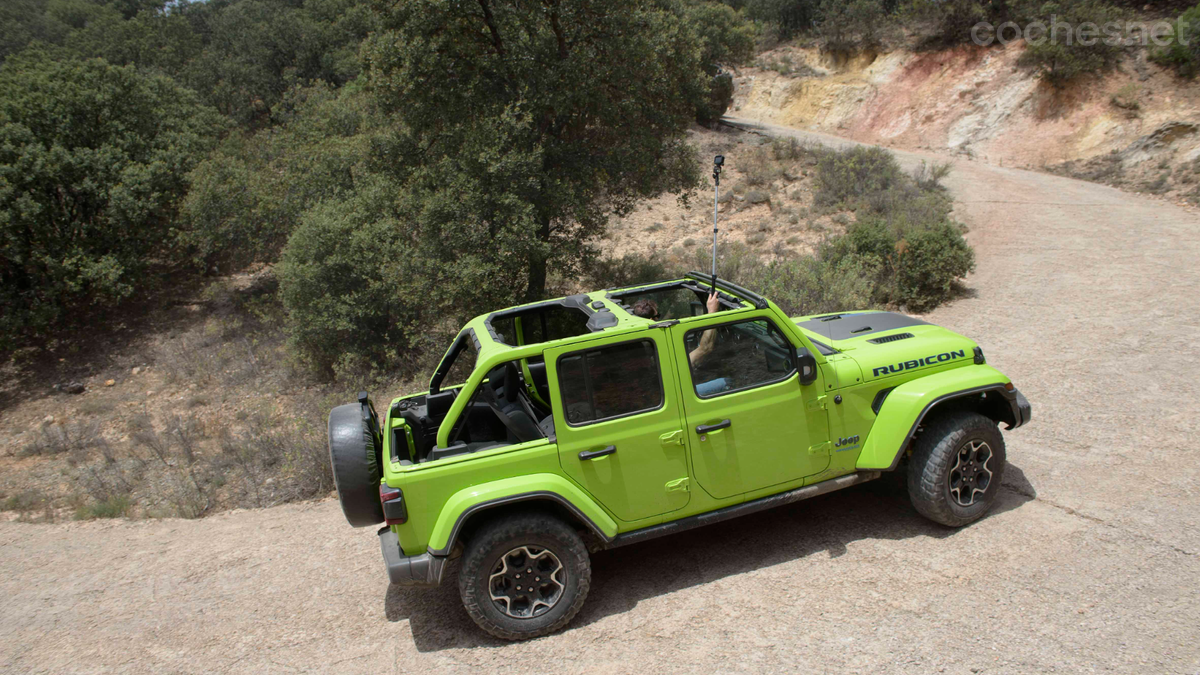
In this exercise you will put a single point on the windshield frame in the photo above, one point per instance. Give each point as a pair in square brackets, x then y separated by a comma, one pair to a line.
[451, 356]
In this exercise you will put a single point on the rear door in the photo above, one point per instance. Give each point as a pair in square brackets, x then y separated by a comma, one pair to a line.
[750, 423]
[618, 423]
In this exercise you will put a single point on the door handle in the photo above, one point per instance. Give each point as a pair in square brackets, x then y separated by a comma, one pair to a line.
[595, 454]
[705, 428]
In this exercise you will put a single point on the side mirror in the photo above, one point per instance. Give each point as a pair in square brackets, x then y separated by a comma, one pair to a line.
[806, 363]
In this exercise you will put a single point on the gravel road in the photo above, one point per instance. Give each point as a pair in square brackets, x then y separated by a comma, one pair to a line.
[1086, 296]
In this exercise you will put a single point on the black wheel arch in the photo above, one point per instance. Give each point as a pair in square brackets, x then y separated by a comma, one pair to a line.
[994, 401]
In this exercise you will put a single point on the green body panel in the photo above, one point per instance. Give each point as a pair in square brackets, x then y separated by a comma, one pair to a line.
[459, 502]
[908, 401]
[772, 426]
[632, 482]
[783, 435]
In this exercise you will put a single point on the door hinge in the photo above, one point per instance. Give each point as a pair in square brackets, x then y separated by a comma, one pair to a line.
[673, 438]
[817, 403]
[819, 449]
[677, 485]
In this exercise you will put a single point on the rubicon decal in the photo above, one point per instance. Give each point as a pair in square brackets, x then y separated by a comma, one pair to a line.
[927, 361]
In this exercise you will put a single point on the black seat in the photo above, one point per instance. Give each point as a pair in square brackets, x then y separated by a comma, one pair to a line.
[522, 424]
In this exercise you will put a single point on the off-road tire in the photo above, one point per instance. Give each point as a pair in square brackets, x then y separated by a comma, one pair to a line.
[483, 554]
[935, 455]
[355, 461]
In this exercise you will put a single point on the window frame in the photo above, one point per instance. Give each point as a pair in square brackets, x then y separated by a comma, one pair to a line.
[662, 389]
[691, 373]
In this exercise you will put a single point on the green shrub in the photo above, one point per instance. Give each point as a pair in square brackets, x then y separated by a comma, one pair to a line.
[1183, 51]
[785, 17]
[851, 25]
[716, 100]
[93, 161]
[247, 198]
[349, 284]
[1060, 63]
[848, 177]
[944, 24]
[114, 507]
[928, 262]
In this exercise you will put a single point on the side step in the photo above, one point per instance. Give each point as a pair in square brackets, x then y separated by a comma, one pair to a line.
[745, 508]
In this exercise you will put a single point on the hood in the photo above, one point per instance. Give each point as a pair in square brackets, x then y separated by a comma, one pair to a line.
[887, 344]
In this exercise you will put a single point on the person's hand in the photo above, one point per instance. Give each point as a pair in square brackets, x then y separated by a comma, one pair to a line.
[713, 304]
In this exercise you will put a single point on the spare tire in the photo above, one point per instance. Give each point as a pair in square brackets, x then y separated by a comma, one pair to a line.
[355, 461]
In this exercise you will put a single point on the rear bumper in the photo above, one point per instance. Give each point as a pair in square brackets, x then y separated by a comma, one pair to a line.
[417, 570]
[1022, 411]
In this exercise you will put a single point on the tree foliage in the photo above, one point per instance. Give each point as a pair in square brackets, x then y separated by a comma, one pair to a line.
[93, 160]
[530, 124]
[1183, 51]
[248, 196]
[851, 25]
[1065, 59]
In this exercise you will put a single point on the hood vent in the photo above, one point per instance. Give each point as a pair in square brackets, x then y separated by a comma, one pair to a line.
[890, 338]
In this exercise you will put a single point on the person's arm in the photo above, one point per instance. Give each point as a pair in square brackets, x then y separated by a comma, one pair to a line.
[708, 337]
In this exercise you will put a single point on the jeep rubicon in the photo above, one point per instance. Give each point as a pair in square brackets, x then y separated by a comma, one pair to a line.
[558, 428]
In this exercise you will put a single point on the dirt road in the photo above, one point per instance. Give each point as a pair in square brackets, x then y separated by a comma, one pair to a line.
[1085, 296]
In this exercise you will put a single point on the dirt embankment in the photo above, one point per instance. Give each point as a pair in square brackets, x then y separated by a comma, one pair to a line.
[1137, 127]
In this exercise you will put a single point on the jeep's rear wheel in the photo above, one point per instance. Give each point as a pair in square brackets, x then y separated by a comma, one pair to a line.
[956, 468]
[524, 575]
[356, 465]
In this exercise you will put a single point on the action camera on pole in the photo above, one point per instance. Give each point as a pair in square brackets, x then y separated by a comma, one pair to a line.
[718, 162]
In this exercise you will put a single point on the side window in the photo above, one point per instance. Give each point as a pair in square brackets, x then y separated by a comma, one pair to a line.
[737, 356]
[608, 382]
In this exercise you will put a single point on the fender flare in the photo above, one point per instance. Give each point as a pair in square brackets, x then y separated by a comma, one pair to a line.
[544, 487]
[906, 406]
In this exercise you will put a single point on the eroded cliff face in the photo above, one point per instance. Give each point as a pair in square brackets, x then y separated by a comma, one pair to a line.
[1136, 127]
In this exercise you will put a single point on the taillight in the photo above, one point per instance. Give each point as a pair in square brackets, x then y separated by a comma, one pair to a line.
[394, 510]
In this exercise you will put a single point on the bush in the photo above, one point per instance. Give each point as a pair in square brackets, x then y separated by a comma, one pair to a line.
[247, 198]
[1060, 63]
[93, 160]
[716, 100]
[851, 25]
[725, 39]
[352, 288]
[113, 507]
[939, 25]
[1183, 52]
[786, 17]
[848, 177]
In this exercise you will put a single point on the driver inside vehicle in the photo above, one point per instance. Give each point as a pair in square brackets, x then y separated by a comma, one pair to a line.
[648, 309]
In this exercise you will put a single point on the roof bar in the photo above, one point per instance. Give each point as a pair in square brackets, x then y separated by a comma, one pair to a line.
[724, 284]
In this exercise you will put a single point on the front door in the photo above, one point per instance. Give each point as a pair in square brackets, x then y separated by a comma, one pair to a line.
[619, 424]
[750, 422]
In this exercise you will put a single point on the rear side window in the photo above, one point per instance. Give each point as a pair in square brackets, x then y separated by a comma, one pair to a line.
[609, 382]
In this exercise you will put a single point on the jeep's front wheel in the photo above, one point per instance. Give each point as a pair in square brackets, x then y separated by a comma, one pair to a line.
[524, 575]
[956, 468]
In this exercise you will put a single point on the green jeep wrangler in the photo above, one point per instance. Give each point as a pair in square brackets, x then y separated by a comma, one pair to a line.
[558, 428]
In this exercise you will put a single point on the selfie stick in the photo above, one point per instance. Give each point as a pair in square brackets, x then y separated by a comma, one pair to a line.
[718, 162]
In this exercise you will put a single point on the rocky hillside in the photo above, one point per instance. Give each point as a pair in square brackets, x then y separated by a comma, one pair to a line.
[1136, 127]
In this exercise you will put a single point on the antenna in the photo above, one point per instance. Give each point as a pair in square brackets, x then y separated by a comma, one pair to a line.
[718, 162]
